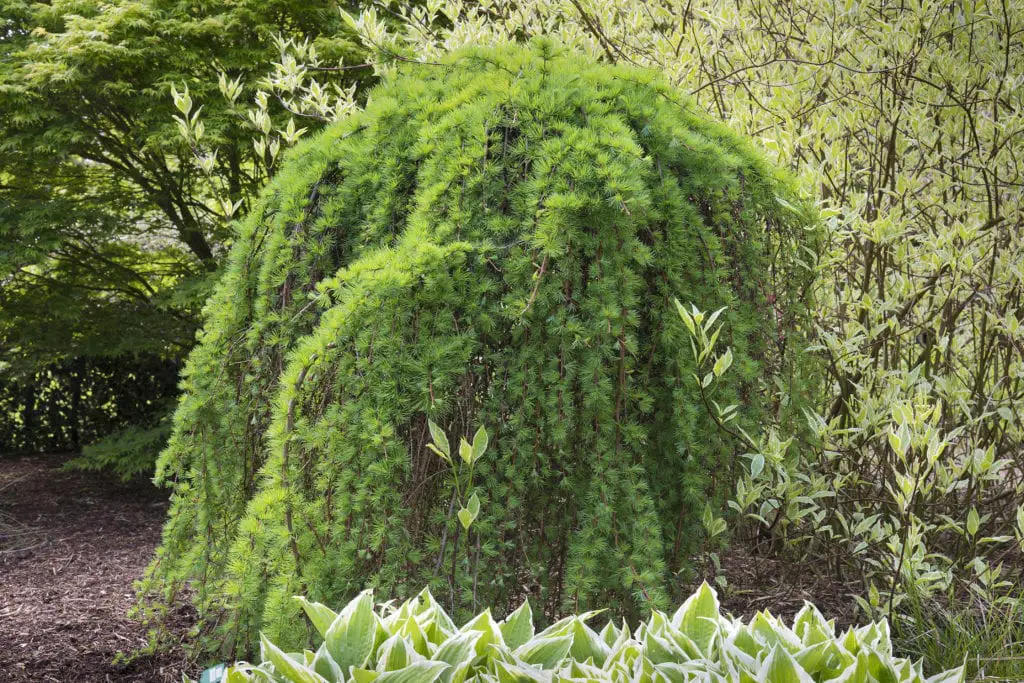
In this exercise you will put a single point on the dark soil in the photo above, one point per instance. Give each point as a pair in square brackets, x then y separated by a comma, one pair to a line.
[763, 582]
[73, 543]
[71, 546]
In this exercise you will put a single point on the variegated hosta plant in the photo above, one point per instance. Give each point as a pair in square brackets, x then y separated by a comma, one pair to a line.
[417, 642]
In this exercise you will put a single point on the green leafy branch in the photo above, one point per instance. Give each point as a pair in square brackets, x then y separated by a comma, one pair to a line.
[462, 469]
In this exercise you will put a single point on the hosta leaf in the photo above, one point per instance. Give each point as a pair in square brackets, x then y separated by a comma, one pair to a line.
[285, 666]
[741, 640]
[822, 656]
[625, 653]
[952, 676]
[609, 633]
[434, 632]
[879, 666]
[768, 629]
[659, 622]
[321, 615]
[431, 605]
[780, 667]
[237, 674]
[680, 672]
[420, 672]
[811, 627]
[518, 626]
[684, 643]
[563, 626]
[696, 644]
[586, 671]
[519, 673]
[661, 649]
[411, 629]
[351, 637]
[393, 654]
[559, 628]
[326, 667]
[457, 650]
[698, 617]
[586, 644]
[363, 675]
[545, 652]
[393, 621]
[490, 632]
[642, 671]
[459, 673]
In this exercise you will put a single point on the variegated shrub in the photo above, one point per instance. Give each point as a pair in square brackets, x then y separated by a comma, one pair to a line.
[417, 642]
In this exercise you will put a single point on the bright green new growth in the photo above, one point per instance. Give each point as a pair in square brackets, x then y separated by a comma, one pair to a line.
[494, 241]
[418, 643]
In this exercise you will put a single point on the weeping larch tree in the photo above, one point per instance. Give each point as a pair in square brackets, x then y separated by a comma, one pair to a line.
[495, 240]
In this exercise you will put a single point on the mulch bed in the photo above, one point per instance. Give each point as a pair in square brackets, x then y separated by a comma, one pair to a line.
[71, 545]
[764, 582]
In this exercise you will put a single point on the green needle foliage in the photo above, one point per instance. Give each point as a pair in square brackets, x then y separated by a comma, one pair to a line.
[495, 240]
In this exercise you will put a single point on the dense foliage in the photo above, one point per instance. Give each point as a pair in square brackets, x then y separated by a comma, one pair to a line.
[495, 240]
[417, 642]
[110, 230]
[66, 405]
[132, 131]
[908, 119]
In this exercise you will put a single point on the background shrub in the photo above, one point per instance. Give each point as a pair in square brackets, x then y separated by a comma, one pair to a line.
[66, 405]
[496, 239]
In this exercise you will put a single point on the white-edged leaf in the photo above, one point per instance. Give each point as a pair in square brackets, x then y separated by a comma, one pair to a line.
[517, 628]
[420, 672]
[457, 650]
[350, 638]
[545, 652]
[321, 615]
[480, 440]
[286, 666]
[723, 363]
[756, 465]
[466, 451]
[440, 440]
[327, 667]
[687, 318]
[697, 617]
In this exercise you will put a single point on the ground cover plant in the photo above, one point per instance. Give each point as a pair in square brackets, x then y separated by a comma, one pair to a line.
[418, 642]
[496, 240]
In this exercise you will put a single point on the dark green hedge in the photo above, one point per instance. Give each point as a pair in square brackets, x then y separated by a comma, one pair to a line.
[75, 402]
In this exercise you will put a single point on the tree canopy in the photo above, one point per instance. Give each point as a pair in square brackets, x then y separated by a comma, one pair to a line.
[108, 226]
[112, 228]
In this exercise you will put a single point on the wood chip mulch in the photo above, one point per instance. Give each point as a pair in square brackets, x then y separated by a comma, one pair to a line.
[762, 581]
[71, 546]
[73, 543]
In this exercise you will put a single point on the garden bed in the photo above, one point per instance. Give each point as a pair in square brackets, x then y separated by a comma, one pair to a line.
[80, 540]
